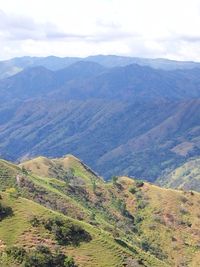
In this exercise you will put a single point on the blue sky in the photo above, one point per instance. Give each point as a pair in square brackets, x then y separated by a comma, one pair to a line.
[142, 28]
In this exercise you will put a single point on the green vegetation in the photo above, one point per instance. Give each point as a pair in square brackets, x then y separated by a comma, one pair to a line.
[5, 212]
[66, 232]
[114, 179]
[111, 125]
[96, 223]
[185, 177]
[41, 256]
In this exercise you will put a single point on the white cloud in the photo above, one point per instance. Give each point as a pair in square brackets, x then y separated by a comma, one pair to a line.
[156, 28]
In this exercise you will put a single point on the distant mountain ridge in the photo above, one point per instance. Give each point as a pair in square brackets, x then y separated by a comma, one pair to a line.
[15, 65]
[87, 80]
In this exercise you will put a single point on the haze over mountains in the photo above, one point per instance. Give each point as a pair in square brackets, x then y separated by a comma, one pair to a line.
[121, 118]
[13, 66]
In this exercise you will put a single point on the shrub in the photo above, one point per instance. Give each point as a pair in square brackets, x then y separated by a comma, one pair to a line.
[121, 206]
[185, 222]
[145, 245]
[114, 179]
[5, 211]
[17, 253]
[139, 183]
[142, 204]
[139, 195]
[24, 170]
[153, 249]
[138, 219]
[42, 257]
[94, 185]
[69, 262]
[132, 190]
[34, 221]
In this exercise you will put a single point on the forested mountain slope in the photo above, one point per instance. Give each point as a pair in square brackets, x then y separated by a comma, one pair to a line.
[129, 120]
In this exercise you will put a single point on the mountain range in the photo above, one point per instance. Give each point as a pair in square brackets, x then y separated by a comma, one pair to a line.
[15, 65]
[120, 119]
[130, 195]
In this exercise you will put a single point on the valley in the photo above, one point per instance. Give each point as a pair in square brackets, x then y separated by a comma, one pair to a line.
[121, 120]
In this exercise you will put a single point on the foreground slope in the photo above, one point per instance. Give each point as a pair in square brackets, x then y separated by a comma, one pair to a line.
[78, 200]
[17, 230]
[151, 226]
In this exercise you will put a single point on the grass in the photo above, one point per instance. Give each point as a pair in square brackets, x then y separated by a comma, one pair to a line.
[58, 167]
[98, 251]
[14, 226]
[186, 177]
[166, 221]
[101, 251]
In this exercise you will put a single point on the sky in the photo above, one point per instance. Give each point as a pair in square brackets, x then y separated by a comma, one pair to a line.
[138, 28]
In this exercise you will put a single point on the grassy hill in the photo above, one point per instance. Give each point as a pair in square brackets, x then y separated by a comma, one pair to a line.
[186, 177]
[60, 167]
[130, 223]
[17, 230]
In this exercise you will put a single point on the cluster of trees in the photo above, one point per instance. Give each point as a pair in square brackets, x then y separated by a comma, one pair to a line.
[41, 256]
[147, 246]
[65, 232]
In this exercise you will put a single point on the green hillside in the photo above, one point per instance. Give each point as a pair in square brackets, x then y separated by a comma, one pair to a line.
[186, 177]
[126, 222]
[17, 230]
[60, 168]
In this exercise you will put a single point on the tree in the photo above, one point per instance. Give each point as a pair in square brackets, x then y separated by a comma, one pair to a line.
[121, 205]
[114, 179]
[69, 262]
[24, 170]
[5, 211]
[94, 185]
[92, 216]
[139, 183]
